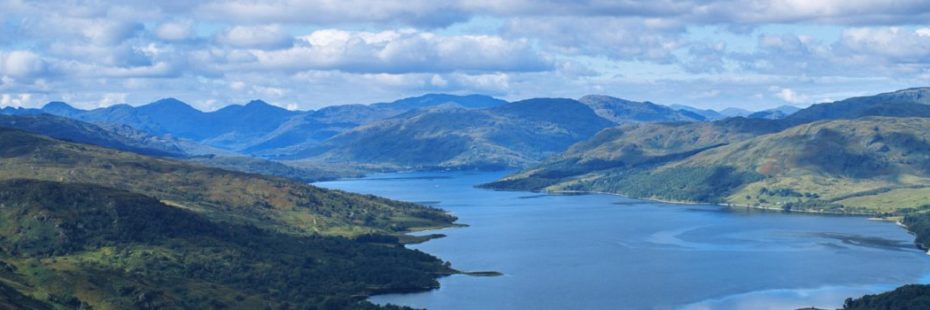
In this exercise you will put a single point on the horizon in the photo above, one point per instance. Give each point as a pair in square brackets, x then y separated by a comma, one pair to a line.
[140, 104]
[709, 55]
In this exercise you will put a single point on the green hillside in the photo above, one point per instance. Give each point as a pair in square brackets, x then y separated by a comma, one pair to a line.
[71, 246]
[269, 202]
[874, 165]
[636, 146]
[511, 135]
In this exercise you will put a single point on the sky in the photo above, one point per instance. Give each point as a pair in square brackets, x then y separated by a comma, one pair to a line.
[307, 54]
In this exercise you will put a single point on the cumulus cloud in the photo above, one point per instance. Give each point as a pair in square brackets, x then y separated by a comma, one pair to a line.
[21, 64]
[402, 51]
[625, 39]
[175, 30]
[313, 52]
[258, 37]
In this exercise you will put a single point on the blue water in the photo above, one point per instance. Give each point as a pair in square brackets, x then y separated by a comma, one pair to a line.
[609, 252]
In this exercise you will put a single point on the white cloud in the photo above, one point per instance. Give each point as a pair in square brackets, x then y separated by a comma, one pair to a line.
[403, 51]
[789, 95]
[109, 99]
[260, 37]
[175, 30]
[21, 64]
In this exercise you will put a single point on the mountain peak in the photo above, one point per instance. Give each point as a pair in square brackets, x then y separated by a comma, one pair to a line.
[258, 103]
[58, 106]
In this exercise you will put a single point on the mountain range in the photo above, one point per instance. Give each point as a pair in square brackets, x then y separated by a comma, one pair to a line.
[860, 155]
[360, 135]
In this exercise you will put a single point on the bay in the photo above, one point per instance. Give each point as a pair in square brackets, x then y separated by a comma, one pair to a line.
[611, 252]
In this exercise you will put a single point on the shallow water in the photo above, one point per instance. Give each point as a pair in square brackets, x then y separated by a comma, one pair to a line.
[609, 252]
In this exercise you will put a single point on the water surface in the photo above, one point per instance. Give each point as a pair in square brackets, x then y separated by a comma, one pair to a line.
[610, 252]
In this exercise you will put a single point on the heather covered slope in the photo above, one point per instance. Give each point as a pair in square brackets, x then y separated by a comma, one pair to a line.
[511, 135]
[635, 146]
[870, 165]
[70, 246]
[268, 202]
[117, 137]
[125, 138]
[625, 111]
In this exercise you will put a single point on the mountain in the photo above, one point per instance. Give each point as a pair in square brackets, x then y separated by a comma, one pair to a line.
[125, 138]
[844, 157]
[863, 166]
[256, 128]
[907, 102]
[707, 114]
[735, 112]
[173, 117]
[432, 100]
[776, 113]
[273, 203]
[636, 145]
[449, 136]
[624, 111]
[85, 246]
[116, 136]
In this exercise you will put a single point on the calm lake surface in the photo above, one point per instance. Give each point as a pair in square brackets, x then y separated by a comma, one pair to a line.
[609, 252]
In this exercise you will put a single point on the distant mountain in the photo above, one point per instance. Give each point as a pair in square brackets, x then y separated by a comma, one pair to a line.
[776, 113]
[432, 100]
[173, 117]
[256, 128]
[907, 102]
[117, 137]
[510, 135]
[624, 111]
[125, 138]
[837, 157]
[634, 146]
[869, 165]
[735, 112]
[707, 114]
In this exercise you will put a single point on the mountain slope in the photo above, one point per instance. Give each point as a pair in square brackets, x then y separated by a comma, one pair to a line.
[116, 137]
[636, 145]
[624, 111]
[510, 135]
[907, 102]
[869, 165]
[267, 202]
[86, 246]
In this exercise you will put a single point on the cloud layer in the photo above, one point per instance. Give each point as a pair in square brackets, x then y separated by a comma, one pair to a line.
[308, 54]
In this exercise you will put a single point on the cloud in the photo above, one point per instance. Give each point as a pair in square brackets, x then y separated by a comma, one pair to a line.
[257, 37]
[402, 51]
[21, 64]
[616, 38]
[175, 30]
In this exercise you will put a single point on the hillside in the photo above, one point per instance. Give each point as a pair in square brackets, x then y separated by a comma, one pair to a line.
[268, 202]
[71, 246]
[117, 137]
[256, 128]
[622, 111]
[125, 138]
[636, 145]
[870, 165]
[913, 102]
[511, 135]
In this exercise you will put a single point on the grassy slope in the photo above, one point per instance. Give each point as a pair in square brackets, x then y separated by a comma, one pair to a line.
[74, 245]
[870, 165]
[630, 148]
[276, 203]
[512, 135]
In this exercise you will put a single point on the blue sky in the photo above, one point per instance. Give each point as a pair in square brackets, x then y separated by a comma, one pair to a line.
[310, 54]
